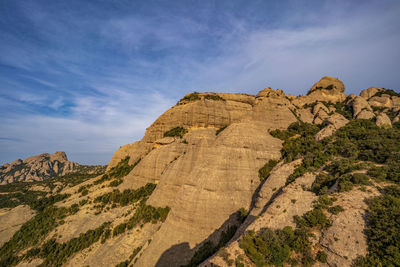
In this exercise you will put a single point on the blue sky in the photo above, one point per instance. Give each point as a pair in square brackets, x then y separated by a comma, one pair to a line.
[86, 77]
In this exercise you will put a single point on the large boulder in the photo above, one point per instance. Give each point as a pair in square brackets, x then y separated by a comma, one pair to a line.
[359, 104]
[365, 114]
[382, 120]
[329, 85]
[333, 123]
[328, 89]
[370, 92]
[383, 101]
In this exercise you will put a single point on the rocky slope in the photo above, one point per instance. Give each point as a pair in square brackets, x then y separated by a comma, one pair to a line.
[41, 167]
[211, 174]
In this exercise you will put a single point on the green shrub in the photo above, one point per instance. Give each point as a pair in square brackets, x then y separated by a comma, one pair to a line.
[264, 172]
[220, 130]
[299, 171]
[387, 92]
[208, 248]
[360, 178]
[383, 230]
[116, 183]
[143, 214]
[242, 214]
[191, 97]
[322, 256]
[55, 254]
[314, 218]
[322, 183]
[274, 247]
[74, 208]
[119, 229]
[128, 196]
[214, 97]
[324, 202]
[31, 234]
[177, 131]
[335, 209]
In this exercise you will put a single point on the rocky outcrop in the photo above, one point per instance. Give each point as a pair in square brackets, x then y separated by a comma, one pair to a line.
[382, 120]
[359, 104]
[209, 170]
[383, 101]
[328, 89]
[365, 114]
[370, 92]
[41, 167]
[123, 152]
[333, 123]
[211, 174]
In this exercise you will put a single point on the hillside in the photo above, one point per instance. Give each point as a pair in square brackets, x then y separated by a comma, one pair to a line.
[228, 180]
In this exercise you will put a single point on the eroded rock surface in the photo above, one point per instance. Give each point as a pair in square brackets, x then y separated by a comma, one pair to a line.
[41, 167]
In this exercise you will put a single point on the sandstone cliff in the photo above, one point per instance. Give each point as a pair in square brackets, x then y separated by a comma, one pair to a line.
[219, 169]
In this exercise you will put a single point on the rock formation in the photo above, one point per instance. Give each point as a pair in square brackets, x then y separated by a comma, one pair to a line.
[204, 157]
[40, 167]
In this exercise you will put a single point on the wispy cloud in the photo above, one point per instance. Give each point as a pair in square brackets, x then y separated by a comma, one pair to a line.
[87, 77]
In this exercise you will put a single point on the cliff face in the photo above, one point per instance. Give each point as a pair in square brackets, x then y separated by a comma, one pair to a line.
[208, 157]
[39, 168]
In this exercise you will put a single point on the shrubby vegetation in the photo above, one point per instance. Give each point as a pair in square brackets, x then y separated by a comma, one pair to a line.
[242, 214]
[288, 246]
[383, 230]
[30, 234]
[208, 248]
[177, 131]
[335, 209]
[143, 214]
[314, 218]
[195, 96]
[24, 197]
[274, 247]
[128, 196]
[360, 140]
[122, 169]
[41, 204]
[214, 97]
[20, 193]
[55, 254]
[387, 92]
[191, 97]
[264, 172]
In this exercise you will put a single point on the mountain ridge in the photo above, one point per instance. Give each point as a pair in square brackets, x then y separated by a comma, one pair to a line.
[217, 171]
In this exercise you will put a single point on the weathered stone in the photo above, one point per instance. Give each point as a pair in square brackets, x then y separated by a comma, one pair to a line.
[370, 92]
[38, 168]
[333, 123]
[381, 101]
[365, 114]
[328, 89]
[359, 104]
[382, 120]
